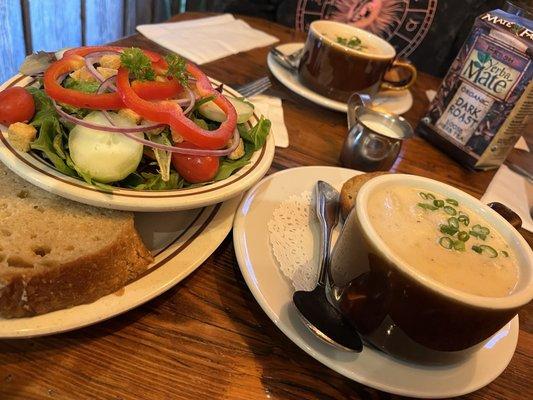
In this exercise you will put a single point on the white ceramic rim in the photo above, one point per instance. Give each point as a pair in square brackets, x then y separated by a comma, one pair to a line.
[516, 299]
[37, 171]
[316, 25]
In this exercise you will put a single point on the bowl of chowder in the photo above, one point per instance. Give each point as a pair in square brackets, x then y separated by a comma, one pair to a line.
[422, 265]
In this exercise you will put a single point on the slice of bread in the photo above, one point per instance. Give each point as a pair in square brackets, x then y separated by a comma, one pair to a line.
[351, 188]
[56, 253]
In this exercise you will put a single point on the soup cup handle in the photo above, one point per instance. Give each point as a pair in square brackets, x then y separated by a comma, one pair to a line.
[355, 101]
[508, 214]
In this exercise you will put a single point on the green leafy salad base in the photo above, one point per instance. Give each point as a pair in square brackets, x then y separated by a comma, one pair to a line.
[52, 144]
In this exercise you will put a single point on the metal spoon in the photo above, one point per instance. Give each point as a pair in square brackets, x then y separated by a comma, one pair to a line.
[317, 313]
[289, 61]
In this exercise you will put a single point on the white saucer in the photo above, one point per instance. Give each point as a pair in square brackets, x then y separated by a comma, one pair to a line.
[395, 102]
[372, 368]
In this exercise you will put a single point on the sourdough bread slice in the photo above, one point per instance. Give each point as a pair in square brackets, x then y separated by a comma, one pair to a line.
[56, 253]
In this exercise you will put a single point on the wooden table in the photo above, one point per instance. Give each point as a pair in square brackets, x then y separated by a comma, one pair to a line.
[207, 338]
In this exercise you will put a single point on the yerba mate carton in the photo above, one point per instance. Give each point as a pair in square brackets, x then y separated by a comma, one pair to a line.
[482, 105]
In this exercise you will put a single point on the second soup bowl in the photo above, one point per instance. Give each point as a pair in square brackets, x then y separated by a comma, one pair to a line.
[336, 70]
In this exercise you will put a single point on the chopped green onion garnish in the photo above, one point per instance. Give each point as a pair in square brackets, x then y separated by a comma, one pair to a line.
[463, 236]
[481, 229]
[438, 203]
[453, 222]
[477, 249]
[478, 235]
[450, 210]
[459, 245]
[446, 242]
[505, 253]
[453, 202]
[427, 206]
[489, 251]
[430, 196]
[463, 218]
[449, 230]
[485, 250]
[484, 231]
[423, 195]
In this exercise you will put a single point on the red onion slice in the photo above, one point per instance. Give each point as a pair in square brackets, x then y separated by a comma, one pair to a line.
[108, 83]
[91, 58]
[191, 152]
[77, 121]
[129, 132]
[192, 100]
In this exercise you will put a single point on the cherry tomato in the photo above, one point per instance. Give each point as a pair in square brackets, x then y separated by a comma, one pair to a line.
[16, 105]
[195, 169]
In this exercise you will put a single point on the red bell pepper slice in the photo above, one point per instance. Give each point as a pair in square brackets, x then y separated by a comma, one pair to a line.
[155, 90]
[103, 101]
[158, 62]
[151, 90]
[170, 113]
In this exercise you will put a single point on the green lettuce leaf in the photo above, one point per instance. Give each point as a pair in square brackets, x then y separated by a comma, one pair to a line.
[257, 135]
[45, 110]
[81, 86]
[163, 157]
[228, 167]
[149, 181]
[45, 143]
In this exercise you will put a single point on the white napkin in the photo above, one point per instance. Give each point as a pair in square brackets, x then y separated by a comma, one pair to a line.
[271, 108]
[207, 39]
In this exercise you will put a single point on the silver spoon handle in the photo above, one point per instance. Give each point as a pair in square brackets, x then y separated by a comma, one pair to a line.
[324, 254]
[326, 210]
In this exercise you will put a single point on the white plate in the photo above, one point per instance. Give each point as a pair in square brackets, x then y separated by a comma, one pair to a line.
[180, 241]
[372, 368]
[395, 102]
[37, 171]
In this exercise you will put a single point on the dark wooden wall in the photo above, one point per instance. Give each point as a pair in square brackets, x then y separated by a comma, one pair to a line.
[28, 26]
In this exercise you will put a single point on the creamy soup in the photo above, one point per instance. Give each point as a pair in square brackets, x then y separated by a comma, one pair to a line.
[444, 240]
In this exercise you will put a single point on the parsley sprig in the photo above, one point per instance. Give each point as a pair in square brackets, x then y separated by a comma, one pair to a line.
[177, 68]
[354, 42]
[138, 64]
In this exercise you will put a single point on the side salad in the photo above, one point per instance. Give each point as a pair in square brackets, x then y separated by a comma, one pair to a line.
[130, 118]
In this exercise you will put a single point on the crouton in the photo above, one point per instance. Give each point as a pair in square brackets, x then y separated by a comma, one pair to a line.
[238, 152]
[83, 75]
[107, 72]
[20, 135]
[110, 61]
[130, 115]
[176, 137]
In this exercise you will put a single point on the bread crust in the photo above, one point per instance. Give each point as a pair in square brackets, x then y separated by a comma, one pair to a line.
[26, 292]
[350, 189]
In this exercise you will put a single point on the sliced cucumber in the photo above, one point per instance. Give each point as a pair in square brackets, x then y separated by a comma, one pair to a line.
[214, 113]
[105, 156]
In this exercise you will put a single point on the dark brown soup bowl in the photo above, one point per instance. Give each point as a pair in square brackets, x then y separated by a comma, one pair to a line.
[402, 311]
[336, 71]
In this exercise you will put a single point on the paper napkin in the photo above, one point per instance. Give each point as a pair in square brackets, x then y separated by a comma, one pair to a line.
[272, 108]
[207, 39]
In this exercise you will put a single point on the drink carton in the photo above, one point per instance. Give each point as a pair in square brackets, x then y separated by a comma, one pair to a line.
[482, 105]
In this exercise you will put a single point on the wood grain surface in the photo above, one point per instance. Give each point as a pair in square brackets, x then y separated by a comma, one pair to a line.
[207, 338]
